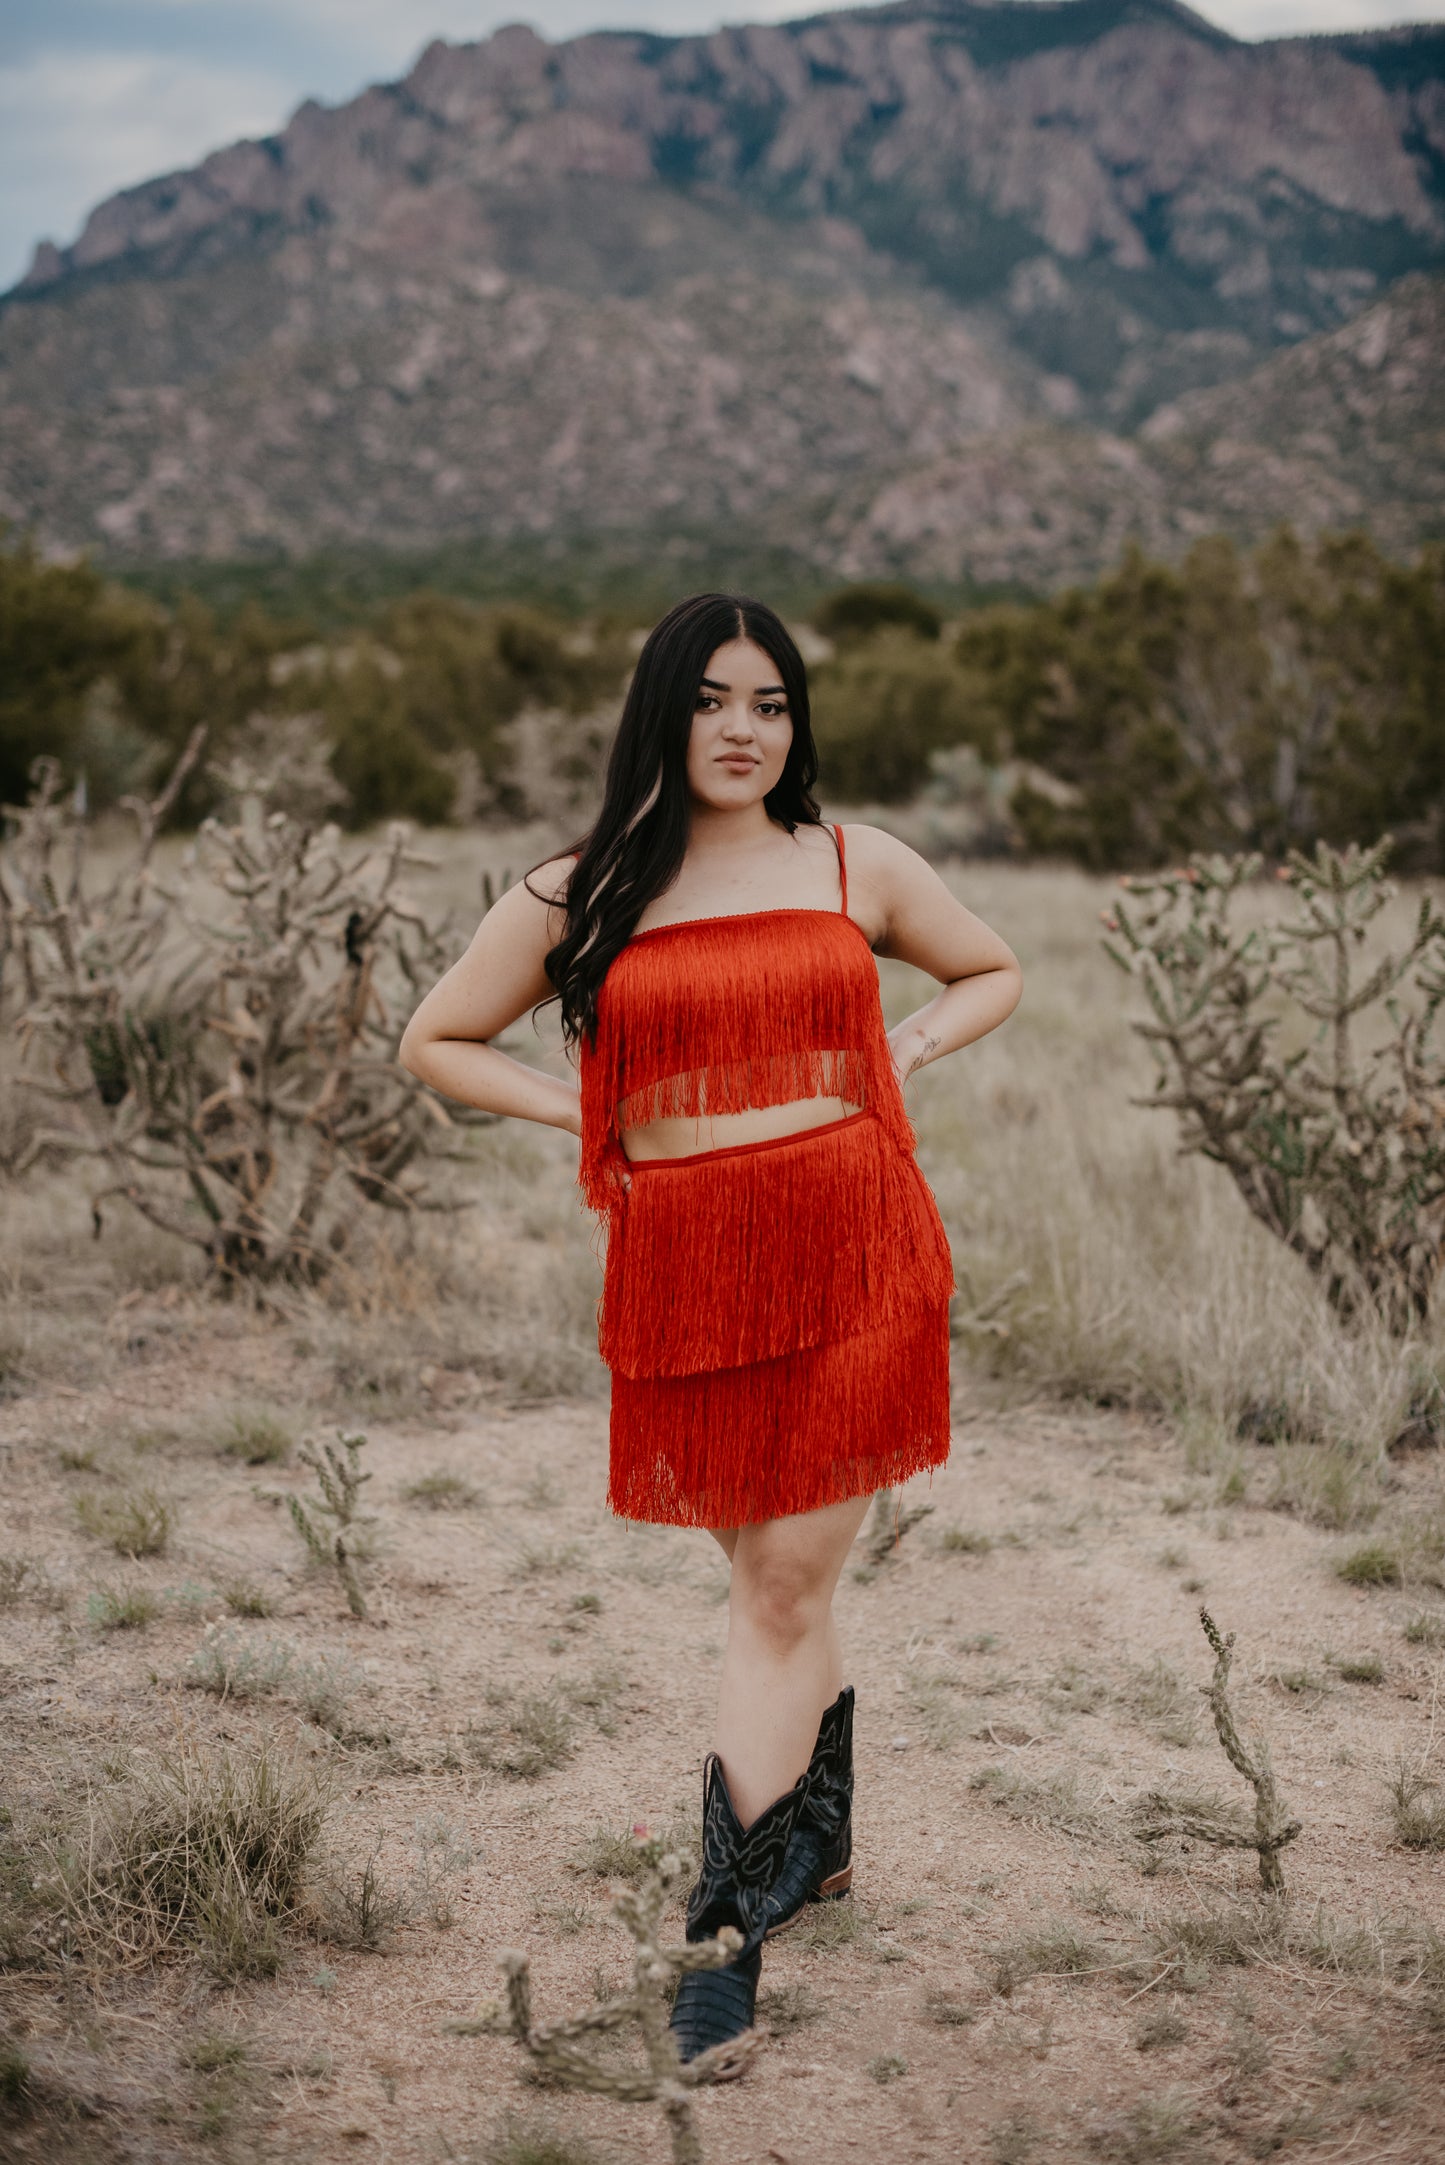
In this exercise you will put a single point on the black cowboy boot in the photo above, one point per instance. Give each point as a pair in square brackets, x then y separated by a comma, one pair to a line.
[739, 1867]
[819, 1864]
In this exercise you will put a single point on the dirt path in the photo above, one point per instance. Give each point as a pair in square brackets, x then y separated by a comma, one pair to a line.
[1025, 1664]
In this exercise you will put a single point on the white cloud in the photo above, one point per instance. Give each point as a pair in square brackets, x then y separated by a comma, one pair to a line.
[77, 126]
[1295, 18]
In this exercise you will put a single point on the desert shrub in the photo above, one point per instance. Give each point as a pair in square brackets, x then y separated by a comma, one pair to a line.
[377, 755]
[1228, 702]
[880, 709]
[1336, 1146]
[857, 612]
[220, 1043]
[232, 1666]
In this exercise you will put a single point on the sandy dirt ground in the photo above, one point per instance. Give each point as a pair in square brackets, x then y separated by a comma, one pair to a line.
[1016, 1976]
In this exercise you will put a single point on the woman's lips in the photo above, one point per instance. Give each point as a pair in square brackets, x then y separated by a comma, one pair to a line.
[737, 759]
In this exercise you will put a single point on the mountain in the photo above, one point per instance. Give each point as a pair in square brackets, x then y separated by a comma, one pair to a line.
[963, 288]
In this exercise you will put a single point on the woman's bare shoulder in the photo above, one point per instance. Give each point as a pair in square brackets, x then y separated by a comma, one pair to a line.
[549, 882]
[874, 853]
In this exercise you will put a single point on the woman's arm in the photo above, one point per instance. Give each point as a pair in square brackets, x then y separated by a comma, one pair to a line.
[499, 978]
[910, 916]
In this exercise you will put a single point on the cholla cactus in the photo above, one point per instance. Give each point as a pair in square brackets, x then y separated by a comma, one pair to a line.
[557, 2046]
[340, 1478]
[221, 1038]
[1205, 1821]
[1338, 1150]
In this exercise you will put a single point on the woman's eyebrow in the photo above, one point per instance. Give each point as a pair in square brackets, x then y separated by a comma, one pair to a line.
[764, 691]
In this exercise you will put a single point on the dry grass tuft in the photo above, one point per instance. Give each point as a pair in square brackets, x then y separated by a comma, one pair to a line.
[243, 1597]
[257, 1436]
[1373, 1563]
[1058, 1951]
[443, 1491]
[1360, 1668]
[609, 1855]
[1168, 2125]
[826, 1926]
[1159, 1698]
[1417, 1807]
[196, 1848]
[122, 1608]
[133, 1521]
[527, 1735]
[947, 2009]
[1158, 2030]
[1052, 1800]
[23, 1579]
[536, 2142]
[964, 1541]
[785, 2008]
[356, 1906]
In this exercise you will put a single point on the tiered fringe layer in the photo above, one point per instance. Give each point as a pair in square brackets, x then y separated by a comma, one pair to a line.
[744, 1254]
[734, 1446]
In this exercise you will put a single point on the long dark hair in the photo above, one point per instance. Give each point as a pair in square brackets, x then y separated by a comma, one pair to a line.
[634, 850]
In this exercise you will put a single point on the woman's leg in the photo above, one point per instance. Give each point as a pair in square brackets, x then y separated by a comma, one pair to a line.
[783, 1665]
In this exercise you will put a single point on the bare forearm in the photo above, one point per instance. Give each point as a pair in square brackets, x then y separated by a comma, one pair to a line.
[961, 1012]
[480, 1075]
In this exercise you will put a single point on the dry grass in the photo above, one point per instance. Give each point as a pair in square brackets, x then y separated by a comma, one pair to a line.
[1052, 1800]
[122, 1608]
[134, 1522]
[1109, 1299]
[1417, 1807]
[197, 1847]
[443, 1491]
[257, 1435]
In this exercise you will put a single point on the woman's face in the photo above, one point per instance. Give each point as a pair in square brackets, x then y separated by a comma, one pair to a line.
[741, 729]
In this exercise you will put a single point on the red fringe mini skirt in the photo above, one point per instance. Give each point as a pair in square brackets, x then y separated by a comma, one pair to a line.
[774, 1314]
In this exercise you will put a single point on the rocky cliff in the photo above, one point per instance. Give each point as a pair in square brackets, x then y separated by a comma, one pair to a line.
[946, 286]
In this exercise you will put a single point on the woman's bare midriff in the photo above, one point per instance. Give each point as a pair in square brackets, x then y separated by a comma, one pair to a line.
[674, 1138]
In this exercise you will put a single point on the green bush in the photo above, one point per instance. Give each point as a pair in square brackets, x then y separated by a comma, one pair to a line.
[378, 756]
[880, 708]
[1260, 702]
[858, 612]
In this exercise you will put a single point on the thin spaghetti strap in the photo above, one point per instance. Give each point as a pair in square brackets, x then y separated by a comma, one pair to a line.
[842, 869]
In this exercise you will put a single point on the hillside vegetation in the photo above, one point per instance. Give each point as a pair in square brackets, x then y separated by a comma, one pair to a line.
[1238, 700]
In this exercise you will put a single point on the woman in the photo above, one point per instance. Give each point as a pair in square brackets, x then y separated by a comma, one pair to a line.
[775, 1298]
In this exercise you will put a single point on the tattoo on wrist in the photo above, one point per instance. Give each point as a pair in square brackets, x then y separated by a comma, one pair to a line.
[925, 1053]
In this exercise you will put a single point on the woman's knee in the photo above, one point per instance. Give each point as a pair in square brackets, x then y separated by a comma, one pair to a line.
[784, 1598]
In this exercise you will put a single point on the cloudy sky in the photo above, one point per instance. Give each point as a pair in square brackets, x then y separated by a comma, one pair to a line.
[96, 95]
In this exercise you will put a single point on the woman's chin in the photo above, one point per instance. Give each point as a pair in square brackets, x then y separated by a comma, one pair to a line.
[730, 793]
